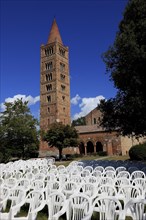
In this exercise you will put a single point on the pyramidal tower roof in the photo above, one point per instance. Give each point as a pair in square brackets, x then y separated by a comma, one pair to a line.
[54, 33]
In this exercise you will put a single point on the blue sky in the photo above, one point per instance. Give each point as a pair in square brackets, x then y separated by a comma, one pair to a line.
[88, 28]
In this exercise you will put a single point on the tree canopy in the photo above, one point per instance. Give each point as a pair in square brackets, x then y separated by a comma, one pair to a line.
[126, 65]
[61, 136]
[18, 131]
[79, 121]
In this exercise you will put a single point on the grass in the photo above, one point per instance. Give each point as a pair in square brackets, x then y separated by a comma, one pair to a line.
[92, 157]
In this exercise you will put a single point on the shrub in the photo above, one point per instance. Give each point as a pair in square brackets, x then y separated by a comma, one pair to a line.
[138, 152]
[102, 153]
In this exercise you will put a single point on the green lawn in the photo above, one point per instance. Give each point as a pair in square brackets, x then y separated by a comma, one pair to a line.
[66, 163]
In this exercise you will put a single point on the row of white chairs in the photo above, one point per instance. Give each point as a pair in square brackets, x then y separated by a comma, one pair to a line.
[79, 206]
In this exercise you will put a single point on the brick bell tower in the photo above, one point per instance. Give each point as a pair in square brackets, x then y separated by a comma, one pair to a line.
[54, 83]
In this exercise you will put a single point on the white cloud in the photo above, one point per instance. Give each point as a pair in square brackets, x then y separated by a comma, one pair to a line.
[75, 100]
[86, 105]
[31, 100]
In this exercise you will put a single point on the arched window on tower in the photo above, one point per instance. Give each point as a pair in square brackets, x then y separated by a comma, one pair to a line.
[49, 66]
[49, 98]
[63, 98]
[49, 87]
[62, 77]
[49, 51]
[62, 52]
[62, 87]
[48, 76]
[62, 67]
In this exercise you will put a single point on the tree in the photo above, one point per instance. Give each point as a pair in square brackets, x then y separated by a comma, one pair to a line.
[79, 121]
[126, 63]
[18, 130]
[61, 136]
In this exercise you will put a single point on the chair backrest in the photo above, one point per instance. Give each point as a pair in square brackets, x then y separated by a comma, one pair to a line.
[69, 188]
[125, 174]
[106, 190]
[88, 189]
[90, 168]
[79, 207]
[127, 192]
[55, 203]
[100, 168]
[109, 168]
[4, 195]
[36, 200]
[109, 208]
[119, 169]
[137, 208]
[24, 184]
[17, 195]
[137, 174]
[106, 180]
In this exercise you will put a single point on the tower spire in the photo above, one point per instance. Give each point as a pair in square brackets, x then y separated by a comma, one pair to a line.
[54, 33]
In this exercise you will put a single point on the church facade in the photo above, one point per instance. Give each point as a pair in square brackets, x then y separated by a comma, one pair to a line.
[55, 104]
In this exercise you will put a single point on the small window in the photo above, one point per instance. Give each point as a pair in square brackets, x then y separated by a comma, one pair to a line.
[48, 109]
[49, 51]
[62, 87]
[49, 87]
[63, 98]
[62, 52]
[48, 76]
[62, 77]
[64, 109]
[62, 67]
[49, 66]
[48, 121]
[49, 98]
[94, 120]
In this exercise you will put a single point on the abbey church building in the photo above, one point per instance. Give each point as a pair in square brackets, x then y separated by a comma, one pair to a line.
[55, 104]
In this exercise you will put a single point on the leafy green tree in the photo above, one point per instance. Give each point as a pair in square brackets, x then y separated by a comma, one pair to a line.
[18, 130]
[79, 121]
[61, 136]
[126, 64]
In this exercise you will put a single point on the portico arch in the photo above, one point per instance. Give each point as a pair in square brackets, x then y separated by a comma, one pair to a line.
[90, 147]
[82, 148]
[99, 146]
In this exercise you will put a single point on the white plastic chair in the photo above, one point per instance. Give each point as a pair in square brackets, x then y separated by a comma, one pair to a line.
[4, 195]
[78, 207]
[69, 188]
[106, 190]
[88, 189]
[24, 184]
[16, 196]
[108, 208]
[141, 184]
[128, 192]
[56, 203]
[36, 203]
[135, 208]
[122, 181]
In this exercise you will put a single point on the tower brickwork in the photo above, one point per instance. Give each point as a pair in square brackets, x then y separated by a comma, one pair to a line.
[54, 82]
